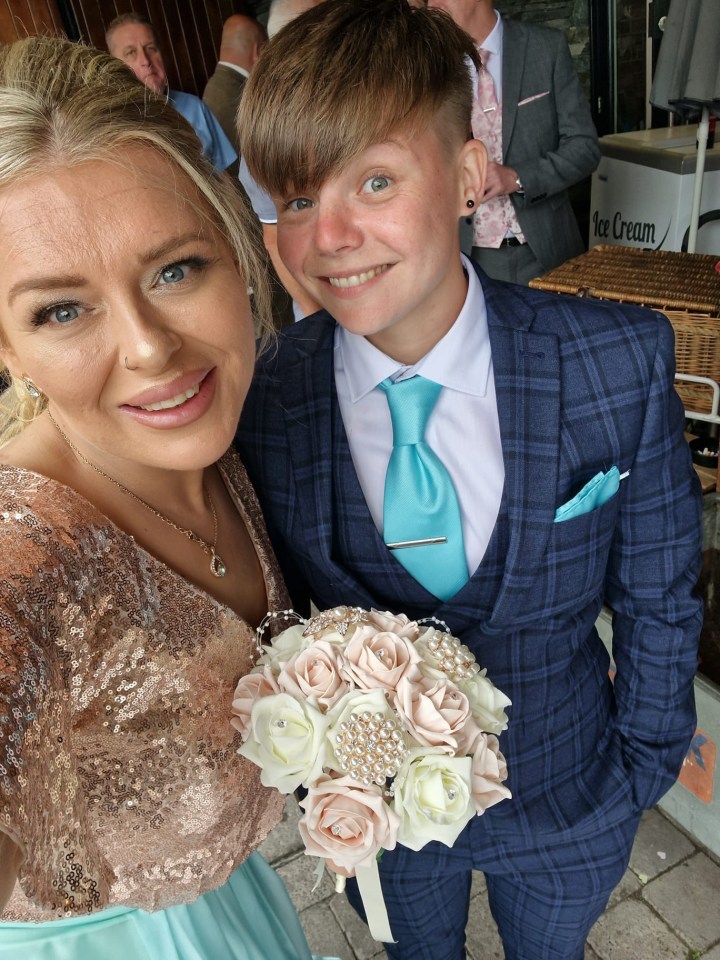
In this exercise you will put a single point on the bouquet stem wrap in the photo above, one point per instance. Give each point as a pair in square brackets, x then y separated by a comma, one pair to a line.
[368, 881]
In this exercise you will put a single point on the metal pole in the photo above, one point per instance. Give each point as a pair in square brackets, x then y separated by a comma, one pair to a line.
[702, 135]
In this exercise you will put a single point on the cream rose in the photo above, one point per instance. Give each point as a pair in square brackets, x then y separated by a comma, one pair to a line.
[284, 646]
[487, 703]
[434, 711]
[487, 773]
[433, 797]
[346, 824]
[316, 674]
[380, 661]
[286, 740]
[394, 623]
[250, 688]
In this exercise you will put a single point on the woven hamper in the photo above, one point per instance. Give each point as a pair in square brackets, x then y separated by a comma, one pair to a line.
[684, 286]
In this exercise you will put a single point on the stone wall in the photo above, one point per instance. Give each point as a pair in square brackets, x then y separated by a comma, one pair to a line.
[570, 16]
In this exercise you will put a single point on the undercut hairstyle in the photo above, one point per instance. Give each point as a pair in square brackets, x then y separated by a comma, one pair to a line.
[63, 104]
[347, 74]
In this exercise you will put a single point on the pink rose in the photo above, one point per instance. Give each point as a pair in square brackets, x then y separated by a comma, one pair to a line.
[346, 824]
[260, 683]
[488, 771]
[315, 674]
[381, 660]
[394, 623]
[435, 711]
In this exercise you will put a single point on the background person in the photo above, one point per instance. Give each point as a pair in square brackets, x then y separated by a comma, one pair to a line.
[131, 38]
[242, 41]
[534, 119]
[547, 431]
[281, 13]
[134, 563]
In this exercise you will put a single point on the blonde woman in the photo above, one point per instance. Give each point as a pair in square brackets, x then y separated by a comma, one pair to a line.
[134, 564]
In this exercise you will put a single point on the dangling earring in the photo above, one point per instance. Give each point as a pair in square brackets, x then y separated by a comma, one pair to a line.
[31, 388]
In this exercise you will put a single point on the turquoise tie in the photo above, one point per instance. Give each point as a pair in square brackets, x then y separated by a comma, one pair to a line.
[420, 499]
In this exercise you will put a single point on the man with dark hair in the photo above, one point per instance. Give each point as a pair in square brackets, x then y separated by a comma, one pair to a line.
[131, 38]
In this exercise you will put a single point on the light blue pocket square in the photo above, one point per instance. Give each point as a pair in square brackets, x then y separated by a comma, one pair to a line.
[594, 494]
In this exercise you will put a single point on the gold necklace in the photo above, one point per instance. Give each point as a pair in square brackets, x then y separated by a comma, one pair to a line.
[217, 566]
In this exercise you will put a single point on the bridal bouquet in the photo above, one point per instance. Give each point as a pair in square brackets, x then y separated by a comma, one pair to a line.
[388, 724]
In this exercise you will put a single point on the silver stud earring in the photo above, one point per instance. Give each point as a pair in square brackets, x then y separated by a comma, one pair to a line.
[31, 388]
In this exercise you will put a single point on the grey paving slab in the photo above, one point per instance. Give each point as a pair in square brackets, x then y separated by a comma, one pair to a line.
[324, 933]
[632, 931]
[688, 899]
[713, 953]
[284, 841]
[658, 846]
[626, 888]
[483, 941]
[298, 875]
[478, 884]
[355, 930]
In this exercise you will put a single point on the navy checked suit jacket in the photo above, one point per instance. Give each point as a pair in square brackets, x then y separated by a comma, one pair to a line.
[581, 386]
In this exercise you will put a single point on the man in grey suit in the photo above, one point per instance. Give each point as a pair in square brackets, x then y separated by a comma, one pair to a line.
[535, 121]
[242, 40]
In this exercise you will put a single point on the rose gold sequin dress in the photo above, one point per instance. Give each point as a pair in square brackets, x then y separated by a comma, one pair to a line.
[119, 776]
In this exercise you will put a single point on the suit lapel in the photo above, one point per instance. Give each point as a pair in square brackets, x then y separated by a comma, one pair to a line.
[526, 368]
[514, 55]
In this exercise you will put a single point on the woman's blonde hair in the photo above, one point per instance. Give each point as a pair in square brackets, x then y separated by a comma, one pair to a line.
[62, 104]
[347, 74]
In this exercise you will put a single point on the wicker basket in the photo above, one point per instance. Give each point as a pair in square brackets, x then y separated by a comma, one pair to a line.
[684, 286]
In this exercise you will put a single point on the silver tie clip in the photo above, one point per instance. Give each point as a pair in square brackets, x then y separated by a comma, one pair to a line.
[401, 544]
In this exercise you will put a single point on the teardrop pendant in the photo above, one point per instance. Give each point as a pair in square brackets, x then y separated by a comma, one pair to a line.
[217, 566]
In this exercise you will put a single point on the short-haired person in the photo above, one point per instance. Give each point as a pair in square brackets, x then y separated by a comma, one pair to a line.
[134, 563]
[240, 45]
[131, 38]
[356, 120]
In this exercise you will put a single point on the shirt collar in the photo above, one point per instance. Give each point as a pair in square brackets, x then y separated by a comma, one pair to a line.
[493, 41]
[460, 361]
[234, 66]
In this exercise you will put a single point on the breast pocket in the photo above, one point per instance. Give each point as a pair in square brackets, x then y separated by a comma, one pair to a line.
[575, 561]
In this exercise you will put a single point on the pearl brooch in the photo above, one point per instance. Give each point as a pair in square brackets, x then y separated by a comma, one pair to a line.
[370, 747]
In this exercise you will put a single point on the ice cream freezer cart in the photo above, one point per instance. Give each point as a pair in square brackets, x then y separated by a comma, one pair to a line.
[642, 191]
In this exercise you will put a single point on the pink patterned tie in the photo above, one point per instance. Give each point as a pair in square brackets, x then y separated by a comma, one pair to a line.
[496, 217]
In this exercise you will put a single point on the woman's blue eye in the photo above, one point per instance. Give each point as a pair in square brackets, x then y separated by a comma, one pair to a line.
[300, 203]
[63, 313]
[172, 274]
[375, 184]
[56, 313]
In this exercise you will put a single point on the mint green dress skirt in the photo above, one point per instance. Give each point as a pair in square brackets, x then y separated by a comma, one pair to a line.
[250, 917]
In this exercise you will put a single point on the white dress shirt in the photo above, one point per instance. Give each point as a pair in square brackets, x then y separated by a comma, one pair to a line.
[493, 44]
[463, 429]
